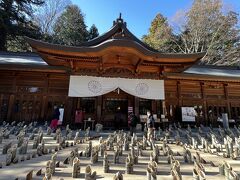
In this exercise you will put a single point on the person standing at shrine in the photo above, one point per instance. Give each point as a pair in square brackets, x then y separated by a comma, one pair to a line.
[79, 117]
[55, 118]
[150, 125]
[133, 120]
[56, 113]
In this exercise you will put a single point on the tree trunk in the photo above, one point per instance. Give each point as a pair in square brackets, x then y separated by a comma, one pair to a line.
[3, 39]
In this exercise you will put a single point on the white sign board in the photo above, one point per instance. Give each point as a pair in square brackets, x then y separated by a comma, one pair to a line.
[188, 114]
[61, 110]
[225, 120]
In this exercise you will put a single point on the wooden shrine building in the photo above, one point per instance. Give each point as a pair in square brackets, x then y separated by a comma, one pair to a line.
[32, 83]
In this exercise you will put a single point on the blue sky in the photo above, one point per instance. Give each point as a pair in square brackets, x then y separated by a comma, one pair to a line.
[137, 13]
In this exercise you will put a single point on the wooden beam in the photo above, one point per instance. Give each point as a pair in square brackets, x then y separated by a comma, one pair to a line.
[122, 66]
[138, 64]
[71, 64]
[101, 64]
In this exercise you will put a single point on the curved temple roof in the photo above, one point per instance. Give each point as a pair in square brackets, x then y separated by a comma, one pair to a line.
[30, 61]
[116, 47]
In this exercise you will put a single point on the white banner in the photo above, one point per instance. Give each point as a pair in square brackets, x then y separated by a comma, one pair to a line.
[89, 86]
[188, 114]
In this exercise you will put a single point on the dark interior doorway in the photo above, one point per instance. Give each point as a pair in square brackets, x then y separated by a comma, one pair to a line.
[117, 109]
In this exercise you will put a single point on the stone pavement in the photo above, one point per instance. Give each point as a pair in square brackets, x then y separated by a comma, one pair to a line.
[21, 169]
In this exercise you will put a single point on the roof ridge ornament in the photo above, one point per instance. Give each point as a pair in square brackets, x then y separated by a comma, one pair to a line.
[120, 16]
[119, 20]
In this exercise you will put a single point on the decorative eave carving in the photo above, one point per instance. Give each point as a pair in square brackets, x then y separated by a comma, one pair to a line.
[116, 49]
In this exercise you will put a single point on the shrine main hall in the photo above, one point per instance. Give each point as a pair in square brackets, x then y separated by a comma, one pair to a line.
[114, 71]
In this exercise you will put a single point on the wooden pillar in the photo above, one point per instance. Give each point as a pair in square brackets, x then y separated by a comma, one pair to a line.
[45, 97]
[176, 110]
[12, 97]
[227, 100]
[164, 107]
[47, 84]
[136, 106]
[78, 102]
[67, 117]
[10, 106]
[75, 101]
[44, 107]
[1, 102]
[99, 108]
[235, 111]
[130, 104]
[205, 113]
[154, 106]
[179, 94]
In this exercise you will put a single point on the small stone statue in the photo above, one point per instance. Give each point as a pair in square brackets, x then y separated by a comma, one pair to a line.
[50, 166]
[67, 129]
[49, 131]
[102, 148]
[187, 155]
[87, 132]
[48, 175]
[53, 159]
[31, 136]
[6, 147]
[129, 165]
[8, 159]
[175, 170]
[71, 158]
[69, 135]
[35, 142]
[105, 163]
[118, 176]
[20, 139]
[125, 145]
[23, 148]
[94, 154]
[39, 150]
[144, 143]
[88, 149]
[98, 128]
[116, 157]
[44, 149]
[77, 137]
[1, 137]
[89, 175]
[152, 170]
[76, 168]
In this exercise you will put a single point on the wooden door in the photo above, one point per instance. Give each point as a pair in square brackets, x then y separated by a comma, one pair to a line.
[4, 102]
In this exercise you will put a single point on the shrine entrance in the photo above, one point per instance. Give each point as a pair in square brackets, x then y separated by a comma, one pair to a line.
[115, 109]
[112, 109]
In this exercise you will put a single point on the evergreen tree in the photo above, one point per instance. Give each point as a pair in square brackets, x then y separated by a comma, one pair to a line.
[159, 35]
[15, 20]
[93, 32]
[70, 28]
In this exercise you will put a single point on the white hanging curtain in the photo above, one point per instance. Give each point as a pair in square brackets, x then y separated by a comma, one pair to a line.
[88, 86]
[143, 88]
